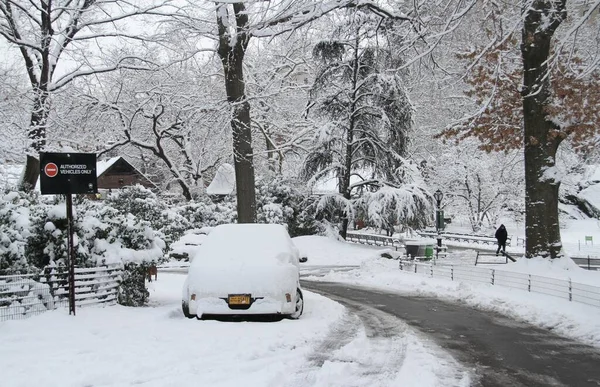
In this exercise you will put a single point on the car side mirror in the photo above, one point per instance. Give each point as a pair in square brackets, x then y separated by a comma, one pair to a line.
[303, 259]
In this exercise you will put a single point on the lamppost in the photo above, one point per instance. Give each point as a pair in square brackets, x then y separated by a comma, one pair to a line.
[439, 221]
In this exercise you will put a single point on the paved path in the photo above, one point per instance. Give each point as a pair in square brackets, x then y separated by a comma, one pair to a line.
[500, 351]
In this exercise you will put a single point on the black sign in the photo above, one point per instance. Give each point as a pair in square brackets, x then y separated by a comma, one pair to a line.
[68, 173]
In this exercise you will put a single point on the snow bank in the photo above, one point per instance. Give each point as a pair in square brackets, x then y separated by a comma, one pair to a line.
[324, 251]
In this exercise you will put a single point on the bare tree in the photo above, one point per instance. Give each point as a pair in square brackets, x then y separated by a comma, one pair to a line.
[43, 30]
[181, 124]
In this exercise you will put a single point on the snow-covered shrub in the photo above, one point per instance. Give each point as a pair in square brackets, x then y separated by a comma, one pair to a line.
[140, 202]
[282, 201]
[132, 290]
[147, 206]
[112, 236]
[174, 227]
[33, 234]
[47, 243]
[14, 231]
[203, 213]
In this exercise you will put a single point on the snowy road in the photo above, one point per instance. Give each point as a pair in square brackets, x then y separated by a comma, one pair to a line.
[499, 351]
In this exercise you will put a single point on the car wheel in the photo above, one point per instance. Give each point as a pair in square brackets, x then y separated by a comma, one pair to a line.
[186, 309]
[299, 305]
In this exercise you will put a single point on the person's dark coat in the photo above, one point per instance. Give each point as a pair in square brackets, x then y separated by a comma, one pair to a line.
[501, 234]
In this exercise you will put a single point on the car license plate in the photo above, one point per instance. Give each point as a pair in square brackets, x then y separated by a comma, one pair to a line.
[239, 299]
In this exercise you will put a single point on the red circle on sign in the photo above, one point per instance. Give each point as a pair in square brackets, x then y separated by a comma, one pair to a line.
[51, 170]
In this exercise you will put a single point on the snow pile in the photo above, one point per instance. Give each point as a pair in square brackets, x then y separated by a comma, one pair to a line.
[560, 268]
[324, 251]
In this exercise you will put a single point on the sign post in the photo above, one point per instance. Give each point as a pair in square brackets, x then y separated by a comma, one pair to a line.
[71, 254]
[68, 174]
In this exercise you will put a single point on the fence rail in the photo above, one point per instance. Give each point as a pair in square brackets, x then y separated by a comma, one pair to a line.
[22, 296]
[479, 239]
[174, 267]
[565, 289]
[589, 263]
[374, 240]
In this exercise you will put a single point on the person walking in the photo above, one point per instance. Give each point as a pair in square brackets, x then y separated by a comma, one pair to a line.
[501, 236]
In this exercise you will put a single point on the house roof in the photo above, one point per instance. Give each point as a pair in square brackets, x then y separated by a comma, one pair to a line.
[103, 165]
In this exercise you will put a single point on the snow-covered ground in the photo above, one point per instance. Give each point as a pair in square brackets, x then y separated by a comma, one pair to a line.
[157, 346]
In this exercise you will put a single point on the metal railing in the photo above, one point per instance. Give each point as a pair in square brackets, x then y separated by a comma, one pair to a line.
[22, 296]
[565, 289]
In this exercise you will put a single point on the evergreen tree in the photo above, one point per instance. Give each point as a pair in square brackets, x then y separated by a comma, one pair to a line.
[360, 101]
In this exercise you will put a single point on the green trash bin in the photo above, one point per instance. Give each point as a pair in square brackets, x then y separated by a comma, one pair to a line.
[428, 251]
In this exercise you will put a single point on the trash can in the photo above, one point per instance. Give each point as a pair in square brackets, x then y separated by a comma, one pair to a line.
[412, 250]
[428, 251]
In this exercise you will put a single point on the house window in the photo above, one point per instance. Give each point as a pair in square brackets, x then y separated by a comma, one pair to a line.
[121, 182]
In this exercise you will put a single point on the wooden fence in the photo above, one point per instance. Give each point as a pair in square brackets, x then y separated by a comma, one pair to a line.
[22, 296]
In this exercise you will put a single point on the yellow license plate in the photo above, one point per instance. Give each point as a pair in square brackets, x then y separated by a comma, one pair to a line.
[239, 299]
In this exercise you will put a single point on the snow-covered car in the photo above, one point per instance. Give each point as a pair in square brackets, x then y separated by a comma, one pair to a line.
[185, 247]
[244, 269]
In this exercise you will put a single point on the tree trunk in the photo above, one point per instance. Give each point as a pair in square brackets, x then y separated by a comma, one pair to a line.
[542, 231]
[345, 186]
[37, 138]
[232, 51]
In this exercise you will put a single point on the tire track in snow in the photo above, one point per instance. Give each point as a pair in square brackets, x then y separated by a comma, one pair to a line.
[368, 347]
[339, 335]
